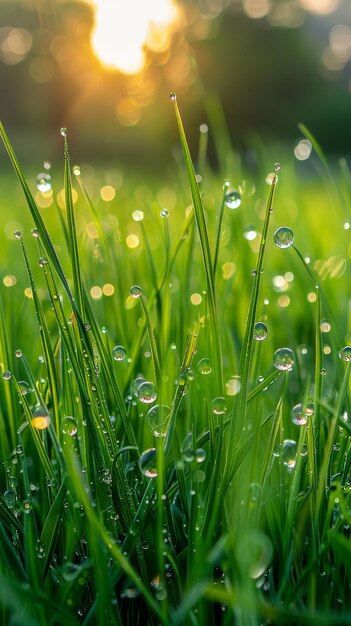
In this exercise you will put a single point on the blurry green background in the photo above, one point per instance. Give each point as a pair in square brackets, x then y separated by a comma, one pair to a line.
[270, 63]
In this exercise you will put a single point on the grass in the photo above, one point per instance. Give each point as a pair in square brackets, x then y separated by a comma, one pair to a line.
[153, 473]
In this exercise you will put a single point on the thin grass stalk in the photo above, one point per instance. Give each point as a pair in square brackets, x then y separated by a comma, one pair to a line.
[246, 353]
[72, 230]
[219, 229]
[206, 254]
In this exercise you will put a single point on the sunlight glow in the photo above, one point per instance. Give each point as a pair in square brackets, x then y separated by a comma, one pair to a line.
[321, 7]
[123, 29]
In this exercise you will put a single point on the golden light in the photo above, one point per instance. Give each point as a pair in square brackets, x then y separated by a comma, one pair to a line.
[321, 7]
[123, 29]
[41, 422]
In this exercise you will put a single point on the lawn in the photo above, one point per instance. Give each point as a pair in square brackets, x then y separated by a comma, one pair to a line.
[175, 403]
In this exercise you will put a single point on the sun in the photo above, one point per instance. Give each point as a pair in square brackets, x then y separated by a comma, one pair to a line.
[122, 29]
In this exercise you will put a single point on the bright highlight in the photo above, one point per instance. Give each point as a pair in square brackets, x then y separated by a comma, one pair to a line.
[123, 29]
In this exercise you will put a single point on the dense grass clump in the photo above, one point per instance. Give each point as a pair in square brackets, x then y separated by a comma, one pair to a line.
[175, 400]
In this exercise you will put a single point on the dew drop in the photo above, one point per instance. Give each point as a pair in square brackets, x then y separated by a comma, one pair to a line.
[323, 372]
[19, 449]
[135, 291]
[299, 415]
[260, 331]
[232, 199]
[233, 386]
[219, 406]
[105, 476]
[40, 550]
[10, 498]
[271, 178]
[157, 419]
[69, 426]
[345, 354]
[26, 506]
[7, 375]
[136, 384]
[18, 354]
[284, 237]
[63, 131]
[146, 392]
[250, 233]
[23, 387]
[119, 353]
[304, 450]
[204, 366]
[173, 96]
[76, 170]
[164, 213]
[200, 455]
[147, 463]
[35, 233]
[17, 234]
[43, 182]
[283, 359]
[277, 167]
[13, 482]
[138, 215]
[287, 453]
[47, 165]
[42, 261]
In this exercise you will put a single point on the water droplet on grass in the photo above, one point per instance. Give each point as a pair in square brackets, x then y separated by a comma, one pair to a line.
[173, 96]
[13, 482]
[43, 182]
[147, 392]
[105, 477]
[17, 234]
[284, 237]
[23, 387]
[271, 178]
[287, 453]
[135, 291]
[233, 386]
[164, 213]
[10, 498]
[250, 233]
[69, 426]
[76, 170]
[204, 366]
[7, 375]
[63, 131]
[345, 354]
[119, 353]
[26, 506]
[232, 199]
[147, 463]
[260, 331]
[200, 455]
[42, 261]
[157, 419]
[138, 215]
[283, 359]
[219, 406]
[299, 415]
[277, 167]
[18, 354]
